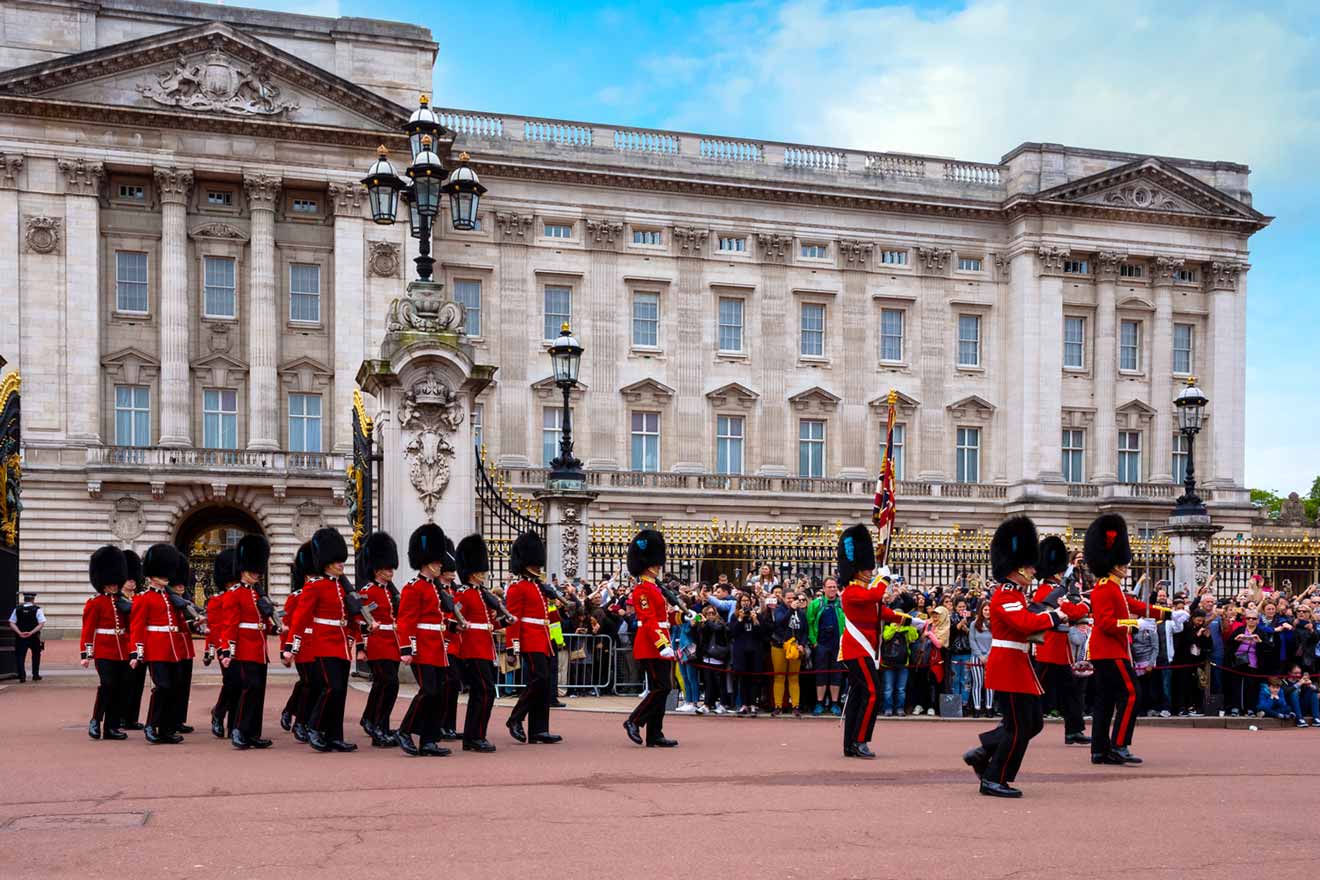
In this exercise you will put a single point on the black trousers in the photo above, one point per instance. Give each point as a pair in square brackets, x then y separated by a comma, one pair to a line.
[185, 689]
[712, 686]
[453, 687]
[1066, 695]
[250, 705]
[165, 710]
[427, 708]
[863, 702]
[650, 712]
[1021, 719]
[111, 693]
[21, 649]
[1115, 703]
[327, 715]
[226, 703]
[303, 694]
[384, 693]
[1185, 692]
[133, 687]
[480, 676]
[534, 702]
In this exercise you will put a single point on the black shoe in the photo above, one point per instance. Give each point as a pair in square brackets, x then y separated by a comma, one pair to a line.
[339, 745]
[133, 725]
[516, 731]
[662, 743]
[156, 737]
[1127, 756]
[547, 739]
[217, 727]
[448, 735]
[634, 732]
[239, 740]
[368, 728]
[1076, 739]
[434, 750]
[317, 740]
[996, 789]
[978, 759]
[186, 728]
[1109, 757]
[286, 720]
[864, 751]
[406, 743]
[94, 728]
[259, 742]
[477, 745]
[300, 732]
[558, 705]
[113, 733]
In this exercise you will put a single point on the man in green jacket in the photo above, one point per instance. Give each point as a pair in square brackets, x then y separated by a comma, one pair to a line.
[824, 626]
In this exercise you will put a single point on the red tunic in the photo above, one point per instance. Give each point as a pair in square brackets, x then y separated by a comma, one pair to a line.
[156, 632]
[244, 632]
[320, 609]
[453, 636]
[104, 632]
[1008, 668]
[479, 641]
[422, 622]
[530, 627]
[652, 620]
[215, 621]
[860, 637]
[383, 641]
[1109, 605]
[1055, 648]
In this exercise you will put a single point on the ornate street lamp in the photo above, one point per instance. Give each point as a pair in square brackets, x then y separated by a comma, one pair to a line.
[383, 188]
[566, 357]
[464, 191]
[1191, 409]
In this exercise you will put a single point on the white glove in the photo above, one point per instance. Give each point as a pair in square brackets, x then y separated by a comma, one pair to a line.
[668, 652]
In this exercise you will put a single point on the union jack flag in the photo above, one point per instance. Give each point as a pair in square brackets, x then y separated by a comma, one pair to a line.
[883, 510]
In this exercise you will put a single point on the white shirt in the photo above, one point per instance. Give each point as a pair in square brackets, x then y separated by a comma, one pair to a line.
[13, 616]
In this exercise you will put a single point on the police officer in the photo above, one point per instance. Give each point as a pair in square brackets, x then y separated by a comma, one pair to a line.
[27, 621]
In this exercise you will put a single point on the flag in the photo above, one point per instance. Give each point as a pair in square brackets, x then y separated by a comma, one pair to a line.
[883, 511]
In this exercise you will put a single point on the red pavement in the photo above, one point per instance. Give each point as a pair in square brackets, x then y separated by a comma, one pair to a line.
[739, 798]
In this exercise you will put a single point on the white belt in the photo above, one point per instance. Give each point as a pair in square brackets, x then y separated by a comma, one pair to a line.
[540, 620]
[384, 626]
[109, 632]
[1005, 643]
[861, 639]
[250, 626]
[478, 626]
[437, 627]
[162, 629]
[326, 621]
[664, 625]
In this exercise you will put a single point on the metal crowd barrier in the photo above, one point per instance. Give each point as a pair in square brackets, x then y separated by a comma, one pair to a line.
[585, 665]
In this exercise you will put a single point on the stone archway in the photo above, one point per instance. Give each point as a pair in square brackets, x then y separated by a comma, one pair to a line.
[204, 532]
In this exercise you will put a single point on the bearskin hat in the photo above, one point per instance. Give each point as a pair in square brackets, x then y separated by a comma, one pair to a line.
[160, 561]
[225, 569]
[328, 547]
[472, 557]
[134, 566]
[183, 573]
[1107, 546]
[107, 568]
[253, 554]
[856, 552]
[527, 552]
[1014, 545]
[646, 549]
[426, 545]
[450, 560]
[303, 564]
[1053, 557]
[378, 551]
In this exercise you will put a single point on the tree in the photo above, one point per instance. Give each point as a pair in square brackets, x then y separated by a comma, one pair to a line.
[1267, 502]
[1312, 503]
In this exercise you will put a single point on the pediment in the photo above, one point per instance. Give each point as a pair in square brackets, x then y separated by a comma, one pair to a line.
[816, 398]
[903, 402]
[546, 389]
[972, 407]
[210, 71]
[647, 391]
[304, 374]
[733, 394]
[1138, 407]
[131, 365]
[219, 369]
[1151, 186]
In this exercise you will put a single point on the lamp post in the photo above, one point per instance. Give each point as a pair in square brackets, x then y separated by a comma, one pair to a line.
[1191, 408]
[566, 357]
[427, 181]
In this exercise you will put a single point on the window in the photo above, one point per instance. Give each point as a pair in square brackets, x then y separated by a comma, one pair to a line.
[130, 282]
[969, 264]
[1076, 267]
[304, 423]
[220, 419]
[969, 340]
[647, 236]
[305, 292]
[894, 258]
[811, 448]
[218, 299]
[1129, 456]
[1129, 346]
[816, 251]
[132, 415]
[1074, 448]
[1074, 343]
[969, 455]
[478, 414]
[1129, 270]
[646, 320]
[1182, 349]
[731, 245]
[731, 324]
[813, 330]
[552, 422]
[900, 437]
[729, 444]
[133, 192]
[891, 335]
[645, 441]
[467, 293]
[305, 206]
[1179, 457]
[220, 198]
[558, 230]
[1187, 275]
[558, 309]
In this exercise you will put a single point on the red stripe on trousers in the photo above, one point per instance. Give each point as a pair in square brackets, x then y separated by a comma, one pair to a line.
[1131, 703]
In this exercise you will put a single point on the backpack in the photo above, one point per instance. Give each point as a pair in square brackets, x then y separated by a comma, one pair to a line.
[894, 650]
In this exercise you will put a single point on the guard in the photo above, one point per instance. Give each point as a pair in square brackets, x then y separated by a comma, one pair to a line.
[377, 561]
[157, 640]
[27, 620]
[105, 642]
[477, 649]
[651, 647]
[453, 649]
[529, 635]
[1054, 655]
[243, 642]
[137, 678]
[864, 613]
[307, 688]
[423, 604]
[225, 577]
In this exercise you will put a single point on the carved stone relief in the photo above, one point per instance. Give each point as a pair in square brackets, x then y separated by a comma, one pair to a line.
[424, 309]
[42, 234]
[307, 520]
[216, 85]
[384, 259]
[432, 410]
[127, 521]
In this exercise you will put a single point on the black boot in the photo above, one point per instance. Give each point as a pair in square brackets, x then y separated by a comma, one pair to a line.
[1127, 756]
[286, 720]
[113, 733]
[259, 742]
[217, 726]
[547, 739]
[633, 731]
[477, 745]
[339, 745]
[864, 751]
[317, 740]
[406, 743]
[516, 731]
[996, 789]
[94, 728]
[300, 731]
[239, 740]
[433, 750]
[978, 759]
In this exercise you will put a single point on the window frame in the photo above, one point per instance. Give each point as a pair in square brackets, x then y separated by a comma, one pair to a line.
[824, 352]
[902, 257]
[650, 436]
[293, 196]
[1179, 455]
[808, 444]
[1129, 454]
[1080, 366]
[467, 312]
[724, 440]
[319, 320]
[741, 239]
[634, 319]
[133, 411]
[902, 333]
[545, 309]
[820, 251]
[900, 447]
[206, 287]
[221, 415]
[551, 414]
[145, 282]
[965, 267]
[547, 225]
[647, 231]
[959, 363]
[1123, 324]
[961, 451]
[478, 418]
[1190, 349]
[741, 325]
[305, 418]
[1070, 448]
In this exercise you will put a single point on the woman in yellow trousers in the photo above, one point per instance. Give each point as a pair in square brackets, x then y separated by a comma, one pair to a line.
[786, 641]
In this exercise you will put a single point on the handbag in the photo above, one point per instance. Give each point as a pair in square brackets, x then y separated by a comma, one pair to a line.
[791, 650]
[577, 654]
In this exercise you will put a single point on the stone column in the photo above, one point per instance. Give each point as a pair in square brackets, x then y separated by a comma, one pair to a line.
[1227, 344]
[776, 339]
[513, 414]
[1047, 349]
[82, 290]
[263, 316]
[600, 429]
[174, 186]
[1238, 466]
[10, 232]
[1161, 368]
[566, 527]
[849, 321]
[1103, 451]
[349, 305]
[1188, 538]
[689, 404]
[938, 325]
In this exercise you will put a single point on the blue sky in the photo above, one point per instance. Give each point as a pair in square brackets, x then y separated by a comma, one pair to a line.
[1237, 81]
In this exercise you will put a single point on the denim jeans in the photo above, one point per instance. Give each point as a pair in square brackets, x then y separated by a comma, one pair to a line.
[961, 680]
[688, 678]
[895, 689]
